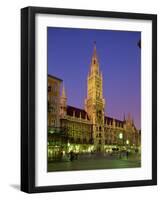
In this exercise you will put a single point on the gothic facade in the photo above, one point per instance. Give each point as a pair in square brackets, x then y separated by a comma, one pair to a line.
[89, 129]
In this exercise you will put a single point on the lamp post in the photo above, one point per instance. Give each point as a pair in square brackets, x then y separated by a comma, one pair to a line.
[120, 143]
[127, 143]
[121, 138]
[68, 147]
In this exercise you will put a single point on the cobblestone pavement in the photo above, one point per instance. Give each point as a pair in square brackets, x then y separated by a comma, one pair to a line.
[87, 162]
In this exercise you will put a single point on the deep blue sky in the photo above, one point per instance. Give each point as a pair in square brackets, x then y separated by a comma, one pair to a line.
[69, 57]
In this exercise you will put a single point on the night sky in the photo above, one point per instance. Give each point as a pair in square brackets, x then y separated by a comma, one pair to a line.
[69, 56]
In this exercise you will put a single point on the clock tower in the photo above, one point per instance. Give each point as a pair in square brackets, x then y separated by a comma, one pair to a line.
[95, 103]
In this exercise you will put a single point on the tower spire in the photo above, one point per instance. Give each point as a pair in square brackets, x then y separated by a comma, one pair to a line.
[95, 51]
[94, 63]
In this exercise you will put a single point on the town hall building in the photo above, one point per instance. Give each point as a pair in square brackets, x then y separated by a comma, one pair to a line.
[86, 129]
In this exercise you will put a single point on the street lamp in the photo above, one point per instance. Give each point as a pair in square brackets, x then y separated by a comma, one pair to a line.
[127, 142]
[120, 136]
[51, 131]
[121, 139]
[68, 144]
[68, 147]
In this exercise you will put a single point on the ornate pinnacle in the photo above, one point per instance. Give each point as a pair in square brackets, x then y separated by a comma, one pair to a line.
[63, 92]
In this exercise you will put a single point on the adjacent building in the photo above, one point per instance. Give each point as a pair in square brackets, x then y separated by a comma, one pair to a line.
[54, 84]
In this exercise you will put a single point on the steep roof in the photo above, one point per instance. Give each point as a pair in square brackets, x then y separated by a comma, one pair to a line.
[71, 110]
[109, 120]
[54, 77]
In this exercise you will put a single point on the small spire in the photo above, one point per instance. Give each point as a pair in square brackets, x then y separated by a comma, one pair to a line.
[80, 115]
[95, 51]
[129, 117]
[114, 122]
[63, 92]
[132, 121]
[124, 117]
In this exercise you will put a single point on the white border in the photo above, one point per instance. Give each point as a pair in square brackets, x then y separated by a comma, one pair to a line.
[92, 176]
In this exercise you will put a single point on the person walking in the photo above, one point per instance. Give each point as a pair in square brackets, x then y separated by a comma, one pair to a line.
[127, 154]
[71, 156]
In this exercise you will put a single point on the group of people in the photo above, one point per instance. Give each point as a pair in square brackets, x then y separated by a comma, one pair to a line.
[125, 153]
[74, 156]
[70, 156]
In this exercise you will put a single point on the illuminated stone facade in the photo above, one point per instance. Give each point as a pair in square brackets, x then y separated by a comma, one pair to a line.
[54, 84]
[88, 129]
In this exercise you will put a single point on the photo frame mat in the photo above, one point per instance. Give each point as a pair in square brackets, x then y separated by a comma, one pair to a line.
[79, 177]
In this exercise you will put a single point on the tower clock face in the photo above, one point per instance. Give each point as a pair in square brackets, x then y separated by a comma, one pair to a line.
[99, 113]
